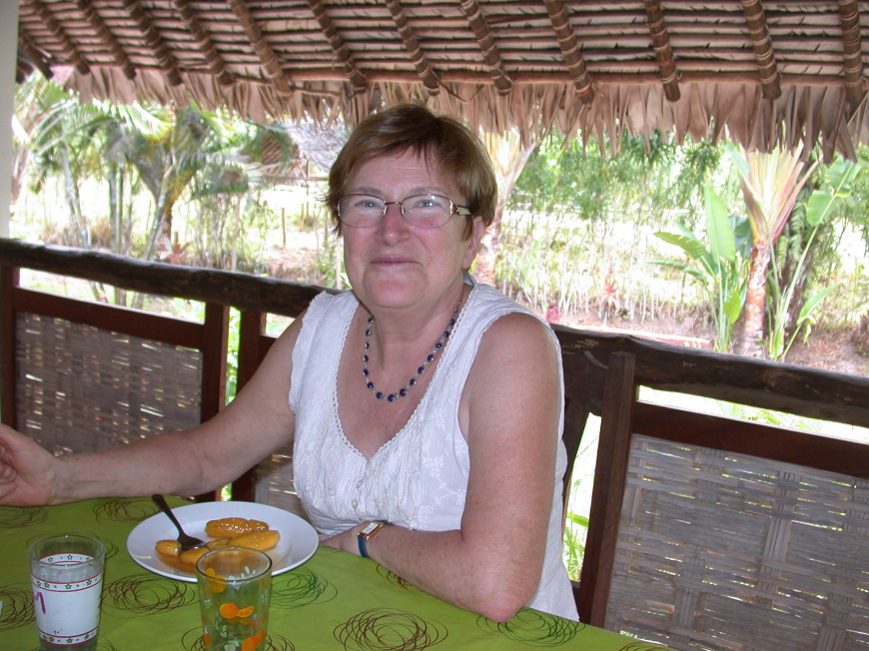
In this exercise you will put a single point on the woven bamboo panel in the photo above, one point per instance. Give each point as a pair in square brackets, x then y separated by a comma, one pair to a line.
[274, 482]
[81, 388]
[725, 551]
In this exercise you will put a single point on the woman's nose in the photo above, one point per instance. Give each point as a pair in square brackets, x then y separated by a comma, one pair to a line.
[393, 221]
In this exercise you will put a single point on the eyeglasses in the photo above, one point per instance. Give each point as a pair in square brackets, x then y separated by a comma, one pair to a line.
[420, 210]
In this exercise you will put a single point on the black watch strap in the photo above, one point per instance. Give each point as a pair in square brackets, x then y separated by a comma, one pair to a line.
[367, 533]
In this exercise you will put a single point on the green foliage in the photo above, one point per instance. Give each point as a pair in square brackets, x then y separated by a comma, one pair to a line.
[575, 531]
[562, 177]
[207, 159]
[833, 187]
[719, 264]
[575, 204]
[576, 229]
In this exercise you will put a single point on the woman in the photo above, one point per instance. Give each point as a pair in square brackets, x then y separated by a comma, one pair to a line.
[425, 409]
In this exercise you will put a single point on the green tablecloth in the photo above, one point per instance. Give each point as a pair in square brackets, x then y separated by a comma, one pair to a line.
[333, 601]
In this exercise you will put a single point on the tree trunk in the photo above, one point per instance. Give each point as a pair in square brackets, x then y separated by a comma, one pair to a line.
[484, 265]
[751, 335]
[509, 156]
[73, 202]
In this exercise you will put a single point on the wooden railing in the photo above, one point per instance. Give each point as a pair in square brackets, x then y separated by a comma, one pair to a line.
[796, 390]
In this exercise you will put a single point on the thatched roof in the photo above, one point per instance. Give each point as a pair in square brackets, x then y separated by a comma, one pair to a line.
[768, 72]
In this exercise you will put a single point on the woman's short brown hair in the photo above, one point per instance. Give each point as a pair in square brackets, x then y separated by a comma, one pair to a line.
[410, 127]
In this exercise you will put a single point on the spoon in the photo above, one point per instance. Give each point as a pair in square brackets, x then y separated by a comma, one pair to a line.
[186, 542]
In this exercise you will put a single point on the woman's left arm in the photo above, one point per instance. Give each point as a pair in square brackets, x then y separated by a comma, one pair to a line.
[509, 413]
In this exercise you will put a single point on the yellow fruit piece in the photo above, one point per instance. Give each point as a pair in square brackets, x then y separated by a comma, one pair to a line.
[192, 555]
[216, 587]
[233, 526]
[168, 547]
[262, 540]
[217, 542]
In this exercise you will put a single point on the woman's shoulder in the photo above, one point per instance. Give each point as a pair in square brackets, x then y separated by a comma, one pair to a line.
[505, 324]
[491, 308]
[328, 303]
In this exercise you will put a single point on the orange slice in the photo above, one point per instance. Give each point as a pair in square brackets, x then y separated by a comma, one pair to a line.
[228, 610]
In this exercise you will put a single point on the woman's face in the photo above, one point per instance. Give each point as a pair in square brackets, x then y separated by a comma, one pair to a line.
[394, 264]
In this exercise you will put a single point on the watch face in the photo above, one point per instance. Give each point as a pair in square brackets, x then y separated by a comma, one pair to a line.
[371, 526]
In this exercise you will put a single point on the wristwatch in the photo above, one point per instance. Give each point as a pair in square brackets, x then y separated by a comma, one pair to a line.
[368, 532]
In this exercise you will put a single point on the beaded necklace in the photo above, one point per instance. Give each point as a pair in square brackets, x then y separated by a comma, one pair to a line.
[403, 391]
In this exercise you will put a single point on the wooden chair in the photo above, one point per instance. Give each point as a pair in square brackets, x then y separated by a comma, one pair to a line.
[271, 480]
[81, 376]
[706, 532]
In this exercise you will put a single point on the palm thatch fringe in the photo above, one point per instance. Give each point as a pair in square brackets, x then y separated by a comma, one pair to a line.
[813, 114]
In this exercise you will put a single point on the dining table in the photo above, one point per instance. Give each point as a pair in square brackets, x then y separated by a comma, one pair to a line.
[333, 600]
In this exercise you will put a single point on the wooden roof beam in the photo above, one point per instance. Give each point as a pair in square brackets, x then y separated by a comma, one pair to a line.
[107, 38]
[408, 38]
[154, 41]
[759, 32]
[266, 54]
[31, 55]
[570, 49]
[852, 52]
[491, 55]
[663, 50]
[342, 52]
[57, 32]
[212, 57]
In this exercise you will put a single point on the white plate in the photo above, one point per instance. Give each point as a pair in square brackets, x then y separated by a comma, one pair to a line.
[297, 543]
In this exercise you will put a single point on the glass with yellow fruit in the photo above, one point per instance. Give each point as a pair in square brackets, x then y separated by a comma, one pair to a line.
[234, 593]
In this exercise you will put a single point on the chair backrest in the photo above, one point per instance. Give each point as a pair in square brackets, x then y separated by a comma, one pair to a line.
[271, 480]
[707, 532]
[88, 376]
[580, 372]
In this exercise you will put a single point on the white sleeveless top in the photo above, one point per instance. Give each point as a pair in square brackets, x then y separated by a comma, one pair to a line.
[418, 479]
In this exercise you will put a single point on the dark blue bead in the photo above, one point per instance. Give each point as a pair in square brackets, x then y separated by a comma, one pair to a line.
[430, 357]
[370, 385]
[446, 334]
[390, 397]
[412, 381]
[438, 346]
[365, 372]
[378, 395]
[402, 392]
[420, 370]
[365, 358]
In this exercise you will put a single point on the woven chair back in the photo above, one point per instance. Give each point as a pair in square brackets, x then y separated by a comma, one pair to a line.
[721, 550]
[82, 388]
[712, 533]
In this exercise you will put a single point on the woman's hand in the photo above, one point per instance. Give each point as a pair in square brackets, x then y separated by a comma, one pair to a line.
[27, 471]
[346, 541]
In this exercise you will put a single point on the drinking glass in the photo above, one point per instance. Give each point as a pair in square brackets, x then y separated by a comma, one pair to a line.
[66, 575]
[234, 593]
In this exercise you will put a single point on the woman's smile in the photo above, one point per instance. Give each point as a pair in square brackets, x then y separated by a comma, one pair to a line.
[395, 264]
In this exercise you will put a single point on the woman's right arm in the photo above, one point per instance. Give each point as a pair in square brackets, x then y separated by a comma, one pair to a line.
[188, 462]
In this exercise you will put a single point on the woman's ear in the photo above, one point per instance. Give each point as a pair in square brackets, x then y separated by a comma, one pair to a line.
[477, 228]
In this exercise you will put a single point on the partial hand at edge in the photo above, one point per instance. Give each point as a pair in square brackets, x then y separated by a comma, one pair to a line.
[27, 470]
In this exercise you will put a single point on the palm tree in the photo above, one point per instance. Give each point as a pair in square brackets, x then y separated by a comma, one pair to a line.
[770, 186]
[508, 154]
